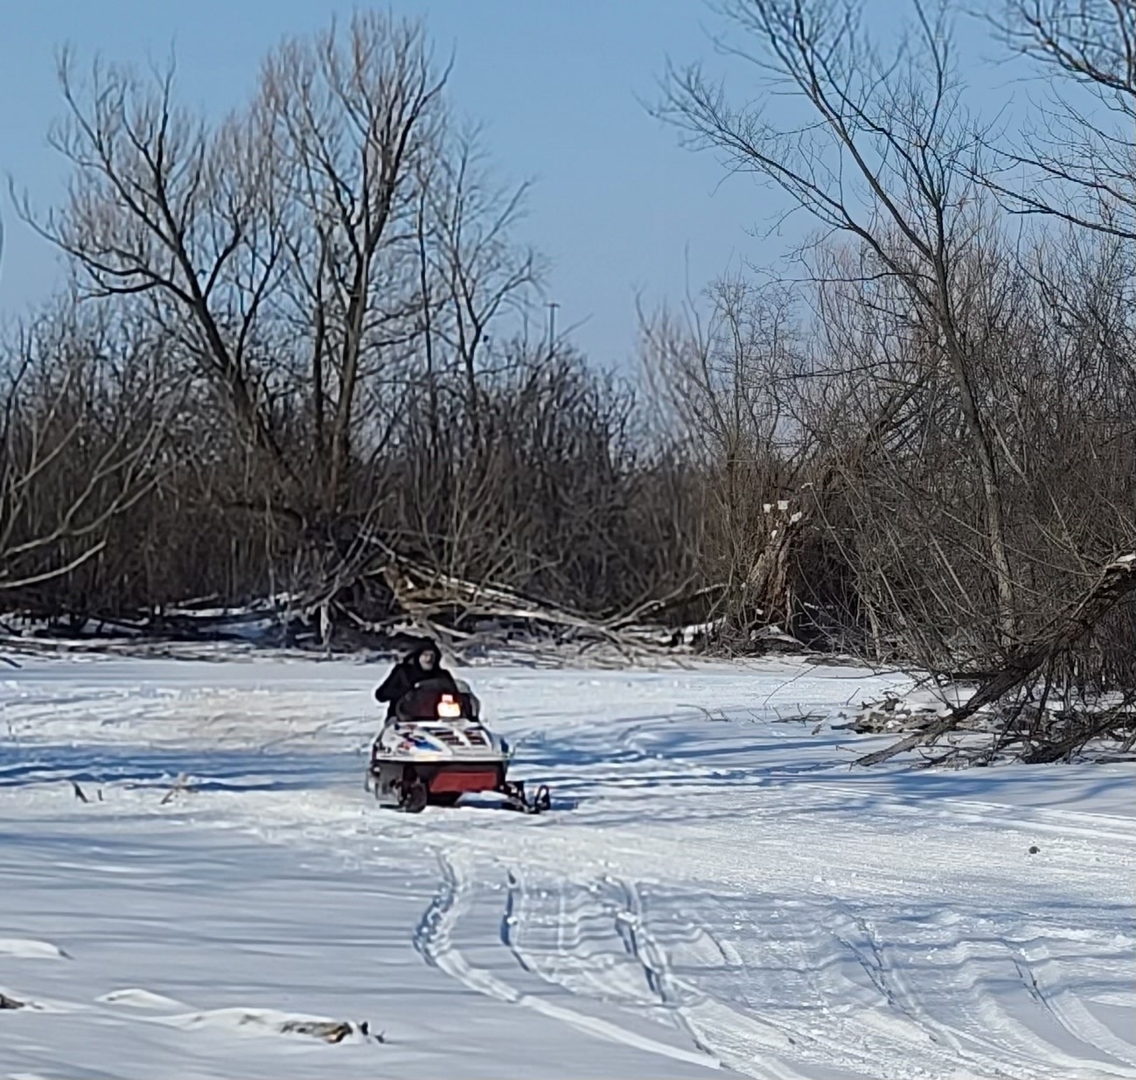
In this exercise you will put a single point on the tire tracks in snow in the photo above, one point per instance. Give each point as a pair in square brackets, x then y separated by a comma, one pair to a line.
[900, 999]
[902, 1038]
[743, 1043]
[433, 939]
[562, 941]
[1021, 1052]
[567, 951]
[1035, 965]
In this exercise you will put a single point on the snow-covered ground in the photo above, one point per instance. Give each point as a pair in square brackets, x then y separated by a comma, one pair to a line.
[714, 887]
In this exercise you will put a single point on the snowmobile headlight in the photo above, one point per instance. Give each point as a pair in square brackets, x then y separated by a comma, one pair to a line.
[448, 707]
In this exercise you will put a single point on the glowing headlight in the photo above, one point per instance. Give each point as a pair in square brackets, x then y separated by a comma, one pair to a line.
[448, 707]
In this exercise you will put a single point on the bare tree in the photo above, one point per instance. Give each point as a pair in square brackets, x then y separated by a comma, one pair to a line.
[885, 160]
[161, 206]
[296, 211]
[478, 273]
[358, 120]
[80, 445]
[1079, 158]
[729, 382]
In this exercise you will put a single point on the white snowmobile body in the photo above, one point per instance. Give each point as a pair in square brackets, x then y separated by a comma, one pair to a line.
[435, 749]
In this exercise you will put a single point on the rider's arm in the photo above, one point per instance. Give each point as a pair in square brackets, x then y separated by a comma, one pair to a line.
[393, 687]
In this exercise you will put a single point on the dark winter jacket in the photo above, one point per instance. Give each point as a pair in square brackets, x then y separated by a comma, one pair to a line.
[407, 674]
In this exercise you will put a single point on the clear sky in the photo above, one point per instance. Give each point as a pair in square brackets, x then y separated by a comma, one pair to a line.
[617, 206]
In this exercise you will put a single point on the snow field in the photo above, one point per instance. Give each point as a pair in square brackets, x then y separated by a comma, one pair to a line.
[715, 889]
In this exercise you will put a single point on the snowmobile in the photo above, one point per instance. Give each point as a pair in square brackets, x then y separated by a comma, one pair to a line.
[435, 749]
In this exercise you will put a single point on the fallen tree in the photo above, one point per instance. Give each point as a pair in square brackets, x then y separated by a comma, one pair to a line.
[1117, 580]
[375, 596]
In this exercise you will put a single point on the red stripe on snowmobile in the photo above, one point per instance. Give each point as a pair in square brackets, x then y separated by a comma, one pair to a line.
[464, 780]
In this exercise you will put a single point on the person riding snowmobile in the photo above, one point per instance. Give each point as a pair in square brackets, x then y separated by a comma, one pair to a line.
[422, 664]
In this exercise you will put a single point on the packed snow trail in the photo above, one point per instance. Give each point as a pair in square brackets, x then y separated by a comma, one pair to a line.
[433, 939]
[714, 888]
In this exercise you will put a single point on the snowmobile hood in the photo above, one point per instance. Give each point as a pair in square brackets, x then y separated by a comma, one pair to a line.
[435, 740]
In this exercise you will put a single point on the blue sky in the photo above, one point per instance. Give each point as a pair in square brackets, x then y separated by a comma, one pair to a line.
[617, 206]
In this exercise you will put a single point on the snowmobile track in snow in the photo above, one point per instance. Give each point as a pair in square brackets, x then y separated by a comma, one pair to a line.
[1069, 1012]
[433, 939]
[598, 926]
[594, 940]
[726, 892]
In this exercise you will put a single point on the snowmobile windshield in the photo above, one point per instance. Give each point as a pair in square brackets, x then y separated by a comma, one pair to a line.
[435, 699]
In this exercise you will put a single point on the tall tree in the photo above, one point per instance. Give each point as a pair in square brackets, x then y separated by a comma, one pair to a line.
[884, 155]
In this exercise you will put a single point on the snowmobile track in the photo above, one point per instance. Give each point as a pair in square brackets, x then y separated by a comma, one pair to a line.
[599, 927]
[1016, 1052]
[1035, 963]
[566, 931]
[433, 939]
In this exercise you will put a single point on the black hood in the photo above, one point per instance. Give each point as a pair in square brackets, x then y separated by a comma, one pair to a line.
[415, 657]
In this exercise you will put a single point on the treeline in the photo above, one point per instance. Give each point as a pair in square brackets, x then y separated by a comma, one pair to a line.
[303, 339]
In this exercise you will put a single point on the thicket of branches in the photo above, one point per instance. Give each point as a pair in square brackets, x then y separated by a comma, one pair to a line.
[304, 336]
[948, 400]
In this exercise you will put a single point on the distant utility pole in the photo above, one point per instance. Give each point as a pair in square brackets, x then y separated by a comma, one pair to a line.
[552, 305]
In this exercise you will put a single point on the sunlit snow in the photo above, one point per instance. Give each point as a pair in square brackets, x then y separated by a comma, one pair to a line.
[715, 887]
